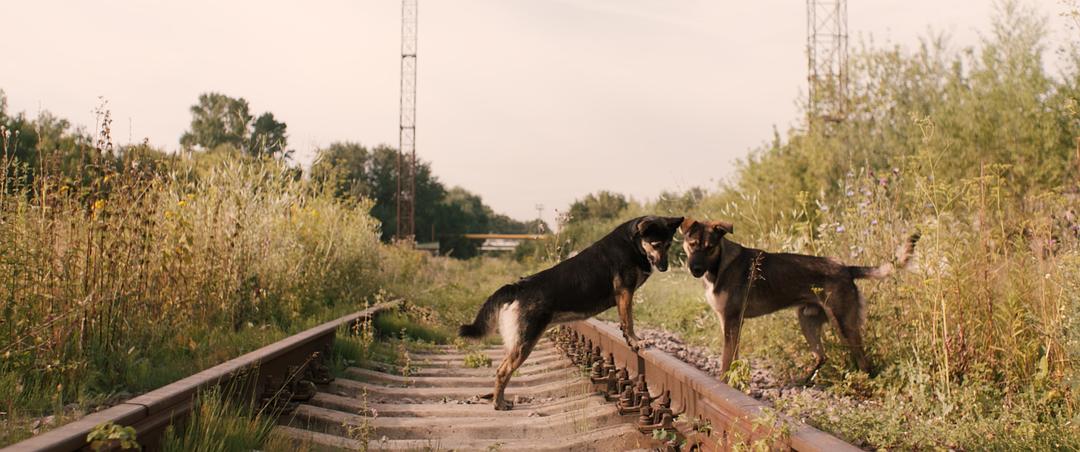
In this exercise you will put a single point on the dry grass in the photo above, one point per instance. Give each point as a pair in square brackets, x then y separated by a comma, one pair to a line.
[145, 271]
[977, 346]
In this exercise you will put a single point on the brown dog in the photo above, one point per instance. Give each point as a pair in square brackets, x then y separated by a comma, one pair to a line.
[742, 283]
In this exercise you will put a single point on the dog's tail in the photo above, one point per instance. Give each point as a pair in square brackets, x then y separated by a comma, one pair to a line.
[903, 258]
[485, 319]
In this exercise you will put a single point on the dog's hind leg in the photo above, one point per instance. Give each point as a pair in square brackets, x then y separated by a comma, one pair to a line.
[849, 320]
[514, 359]
[811, 319]
[519, 337]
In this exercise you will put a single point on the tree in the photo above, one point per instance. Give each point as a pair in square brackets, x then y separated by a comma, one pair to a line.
[222, 120]
[216, 120]
[47, 144]
[268, 137]
[343, 168]
[603, 205]
[351, 171]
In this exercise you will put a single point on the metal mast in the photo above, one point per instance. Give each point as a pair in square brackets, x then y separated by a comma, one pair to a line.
[826, 50]
[406, 184]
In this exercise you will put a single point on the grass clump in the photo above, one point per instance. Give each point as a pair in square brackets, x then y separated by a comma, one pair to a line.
[406, 325]
[477, 360]
[220, 423]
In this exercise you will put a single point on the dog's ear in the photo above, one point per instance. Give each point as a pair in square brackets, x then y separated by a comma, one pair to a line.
[724, 226]
[687, 223]
[644, 224]
[673, 223]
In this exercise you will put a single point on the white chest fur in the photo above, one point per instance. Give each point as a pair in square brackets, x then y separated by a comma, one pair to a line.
[716, 300]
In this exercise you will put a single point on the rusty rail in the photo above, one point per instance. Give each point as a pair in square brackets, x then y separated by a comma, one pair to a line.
[690, 406]
[150, 413]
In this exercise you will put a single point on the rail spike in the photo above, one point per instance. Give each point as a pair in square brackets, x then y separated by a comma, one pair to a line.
[598, 373]
[581, 349]
[645, 420]
[626, 400]
[611, 390]
[624, 380]
[663, 406]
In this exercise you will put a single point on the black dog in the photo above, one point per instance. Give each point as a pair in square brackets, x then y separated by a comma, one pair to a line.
[742, 283]
[603, 275]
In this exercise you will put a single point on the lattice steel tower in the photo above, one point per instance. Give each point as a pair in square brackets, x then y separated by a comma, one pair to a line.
[826, 50]
[406, 184]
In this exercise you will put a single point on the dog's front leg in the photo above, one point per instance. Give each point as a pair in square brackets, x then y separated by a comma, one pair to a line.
[624, 299]
[732, 325]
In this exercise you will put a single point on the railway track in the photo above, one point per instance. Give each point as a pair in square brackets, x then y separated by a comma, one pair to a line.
[581, 389]
[437, 408]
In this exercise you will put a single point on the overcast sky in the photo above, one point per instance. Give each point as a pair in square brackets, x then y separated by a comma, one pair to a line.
[524, 102]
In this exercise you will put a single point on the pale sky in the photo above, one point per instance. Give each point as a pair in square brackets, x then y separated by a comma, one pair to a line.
[524, 102]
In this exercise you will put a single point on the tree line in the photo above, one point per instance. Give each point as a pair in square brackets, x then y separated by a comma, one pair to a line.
[226, 128]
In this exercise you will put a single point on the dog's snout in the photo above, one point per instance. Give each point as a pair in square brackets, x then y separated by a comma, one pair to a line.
[697, 270]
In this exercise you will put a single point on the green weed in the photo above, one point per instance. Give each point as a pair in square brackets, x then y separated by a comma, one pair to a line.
[220, 423]
[477, 360]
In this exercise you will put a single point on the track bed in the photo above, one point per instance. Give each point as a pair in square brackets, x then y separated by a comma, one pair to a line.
[439, 407]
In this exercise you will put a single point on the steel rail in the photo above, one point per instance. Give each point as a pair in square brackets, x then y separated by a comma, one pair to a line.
[150, 413]
[667, 393]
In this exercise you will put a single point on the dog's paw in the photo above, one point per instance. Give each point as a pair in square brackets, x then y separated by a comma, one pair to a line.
[808, 380]
[634, 343]
[504, 405]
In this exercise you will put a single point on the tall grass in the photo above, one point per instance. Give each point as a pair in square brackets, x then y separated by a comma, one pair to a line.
[220, 422]
[977, 346]
[139, 273]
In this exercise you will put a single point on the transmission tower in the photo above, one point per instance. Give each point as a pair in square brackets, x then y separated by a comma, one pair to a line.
[826, 50]
[406, 184]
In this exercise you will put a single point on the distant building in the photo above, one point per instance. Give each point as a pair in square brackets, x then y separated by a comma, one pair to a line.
[429, 247]
[502, 242]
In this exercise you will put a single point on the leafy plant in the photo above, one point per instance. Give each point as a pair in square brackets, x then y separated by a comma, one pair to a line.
[738, 375]
[109, 436]
[477, 359]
